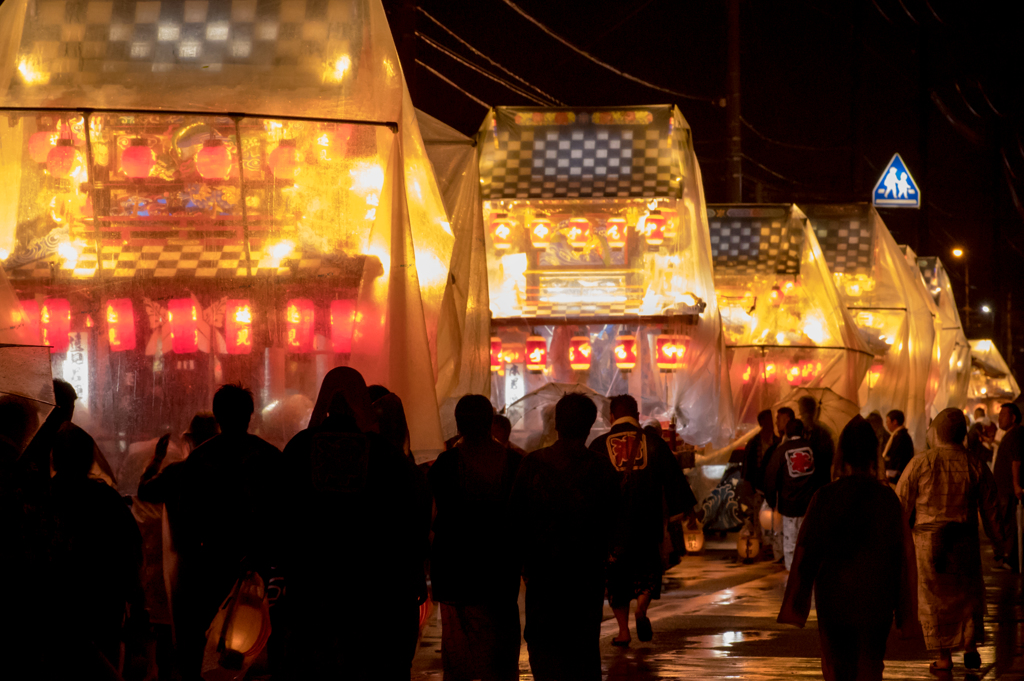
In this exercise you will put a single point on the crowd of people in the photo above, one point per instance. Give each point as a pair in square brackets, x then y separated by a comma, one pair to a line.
[343, 532]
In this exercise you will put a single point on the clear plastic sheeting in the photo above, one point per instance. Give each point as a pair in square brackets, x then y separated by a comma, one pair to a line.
[228, 191]
[464, 327]
[935, 368]
[783, 322]
[888, 302]
[991, 379]
[599, 263]
[954, 352]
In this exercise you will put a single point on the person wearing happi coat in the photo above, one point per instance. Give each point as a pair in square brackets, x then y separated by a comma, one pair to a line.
[855, 552]
[943, 490]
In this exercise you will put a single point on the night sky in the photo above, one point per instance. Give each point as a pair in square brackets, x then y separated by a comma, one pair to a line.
[830, 90]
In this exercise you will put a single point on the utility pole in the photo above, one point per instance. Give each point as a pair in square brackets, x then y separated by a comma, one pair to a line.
[735, 155]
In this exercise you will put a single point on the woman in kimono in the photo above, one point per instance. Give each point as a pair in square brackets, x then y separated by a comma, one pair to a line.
[942, 491]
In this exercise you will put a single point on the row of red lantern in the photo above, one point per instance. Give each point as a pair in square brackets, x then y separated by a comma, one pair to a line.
[669, 353]
[53, 322]
[578, 232]
[802, 372]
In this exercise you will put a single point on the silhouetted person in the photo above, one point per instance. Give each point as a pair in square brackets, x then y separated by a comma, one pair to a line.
[501, 430]
[1007, 475]
[473, 571]
[855, 553]
[224, 506]
[359, 520]
[759, 450]
[819, 439]
[791, 479]
[98, 551]
[650, 479]
[943, 492]
[390, 415]
[565, 505]
[899, 450]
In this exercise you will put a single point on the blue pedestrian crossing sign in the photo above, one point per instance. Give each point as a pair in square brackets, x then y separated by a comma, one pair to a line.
[896, 188]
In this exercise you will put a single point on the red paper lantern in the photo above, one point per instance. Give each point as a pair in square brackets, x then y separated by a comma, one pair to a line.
[30, 308]
[121, 324]
[540, 232]
[625, 353]
[770, 372]
[793, 374]
[39, 145]
[579, 353]
[747, 374]
[63, 160]
[495, 353]
[615, 232]
[501, 231]
[55, 322]
[183, 316]
[238, 327]
[775, 296]
[579, 232]
[284, 161]
[138, 159]
[343, 315]
[332, 144]
[670, 351]
[213, 162]
[299, 318]
[654, 229]
[536, 353]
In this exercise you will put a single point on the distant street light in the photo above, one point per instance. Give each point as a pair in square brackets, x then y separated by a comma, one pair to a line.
[958, 252]
[986, 309]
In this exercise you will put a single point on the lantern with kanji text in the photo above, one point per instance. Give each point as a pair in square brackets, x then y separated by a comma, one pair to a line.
[669, 352]
[625, 353]
[238, 327]
[579, 353]
[120, 324]
[299, 319]
[654, 229]
[55, 323]
[615, 232]
[578, 232]
[540, 232]
[536, 353]
[183, 316]
[501, 231]
[495, 353]
[343, 315]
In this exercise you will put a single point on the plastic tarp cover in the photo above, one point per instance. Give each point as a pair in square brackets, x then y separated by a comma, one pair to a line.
[991, 378]
[783, 322]
[953, 352]
[640, 277]
[888, 302]
[464, 327]
[363, 221]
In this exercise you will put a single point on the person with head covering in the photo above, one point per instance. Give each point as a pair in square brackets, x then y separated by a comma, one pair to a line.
[943, 490]
[224, 503]
[651, 481]
[855, 556]
[564, 510]
[357, 529]
[473, 570]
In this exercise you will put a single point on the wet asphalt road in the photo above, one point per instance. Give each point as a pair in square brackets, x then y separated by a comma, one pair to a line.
[716, 620]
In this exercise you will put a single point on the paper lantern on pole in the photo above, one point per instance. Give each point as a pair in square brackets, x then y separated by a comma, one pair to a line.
[300, 316]
[284, 161]
[536, 353]
[120, 324]
[748, 543]
[242, 627]
[654, 229]
[63, 160]
[183, 316]
[540, 232]
[238, 327]
[669, 352]
[578, 232]
[55, 323]
[693, 536]
[615, 232]
[343, 315]
[30, 310]
[138, 159]
[501, 231]
[495, 353]
[625, 353]
[213, 162]
[579, 353]
[39, 145]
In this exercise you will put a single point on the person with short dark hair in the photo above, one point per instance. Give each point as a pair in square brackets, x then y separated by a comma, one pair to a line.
[651, 481]
[852, 553]
[501, 431]
[1006, 469]
[225, 504]
[820, 440]
[473, 569]
[759, 451]
[564, 507]
[791, 479]
[899, 450]
[943, 492]
[783, 415]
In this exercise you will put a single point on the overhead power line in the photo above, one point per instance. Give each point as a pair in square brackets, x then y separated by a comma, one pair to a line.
[489, 60]
[519, 10]
[454, 85]
[482, 71]
[804, 147]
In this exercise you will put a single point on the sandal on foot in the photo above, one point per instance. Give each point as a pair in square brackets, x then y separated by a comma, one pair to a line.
[644, 632]
[934, 668]
[621, 644]
[972, 660]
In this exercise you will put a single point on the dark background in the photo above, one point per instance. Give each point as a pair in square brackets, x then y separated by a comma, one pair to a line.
[830, 91]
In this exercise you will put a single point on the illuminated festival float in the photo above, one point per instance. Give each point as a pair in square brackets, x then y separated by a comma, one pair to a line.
[886, 297]
[953, 352]
[784, 324]
[992, 383]
[200, 193]
[599, 265]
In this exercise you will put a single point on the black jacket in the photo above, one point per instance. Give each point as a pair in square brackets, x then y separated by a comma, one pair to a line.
[793, 476]
[901, 451]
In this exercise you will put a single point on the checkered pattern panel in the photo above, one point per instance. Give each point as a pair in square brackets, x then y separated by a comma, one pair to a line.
[85, 41]
[545, 309]
[755, 246]
[848, 244]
